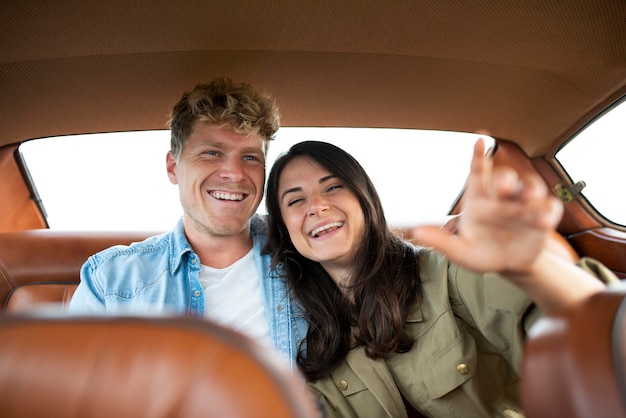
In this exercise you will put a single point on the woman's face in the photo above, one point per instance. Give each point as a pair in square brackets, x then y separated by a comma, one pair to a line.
[323, 217]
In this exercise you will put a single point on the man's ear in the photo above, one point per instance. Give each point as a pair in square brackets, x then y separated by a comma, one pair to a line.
[171, 165]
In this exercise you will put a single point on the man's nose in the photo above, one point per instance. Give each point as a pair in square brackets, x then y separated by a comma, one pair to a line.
[232, 168]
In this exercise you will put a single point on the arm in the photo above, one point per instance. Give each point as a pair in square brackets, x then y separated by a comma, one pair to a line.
[505, 228]
[86, 298]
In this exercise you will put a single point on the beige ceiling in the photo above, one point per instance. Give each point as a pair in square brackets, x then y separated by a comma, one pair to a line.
[528, 71]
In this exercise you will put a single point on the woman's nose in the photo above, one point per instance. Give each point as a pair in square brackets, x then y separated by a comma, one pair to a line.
[318, 205]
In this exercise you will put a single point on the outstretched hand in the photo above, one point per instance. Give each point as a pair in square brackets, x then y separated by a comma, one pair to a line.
[506, 220]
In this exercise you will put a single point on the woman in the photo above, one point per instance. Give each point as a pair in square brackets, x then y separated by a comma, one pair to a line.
[394, 325]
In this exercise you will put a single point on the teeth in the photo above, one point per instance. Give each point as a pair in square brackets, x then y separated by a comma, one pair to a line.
[316, 231]
[227, 196]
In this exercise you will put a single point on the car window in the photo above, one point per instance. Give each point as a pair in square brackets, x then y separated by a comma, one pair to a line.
[595, 158]
[119, 182]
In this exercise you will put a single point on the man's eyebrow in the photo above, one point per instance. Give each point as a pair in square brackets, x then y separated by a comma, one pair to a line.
[299, 189]
[253, 150]
[210, 143]
[221, 145]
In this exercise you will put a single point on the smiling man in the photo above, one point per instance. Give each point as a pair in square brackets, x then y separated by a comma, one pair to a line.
[210, 265]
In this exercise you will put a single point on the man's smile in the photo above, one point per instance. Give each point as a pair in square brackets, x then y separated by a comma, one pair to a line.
[227, 196]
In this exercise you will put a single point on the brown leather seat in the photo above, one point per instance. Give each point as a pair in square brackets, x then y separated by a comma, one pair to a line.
[141, 367]
[574, 364]
[42, 267]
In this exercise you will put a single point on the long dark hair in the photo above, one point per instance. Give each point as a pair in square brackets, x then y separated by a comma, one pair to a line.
[384, 278]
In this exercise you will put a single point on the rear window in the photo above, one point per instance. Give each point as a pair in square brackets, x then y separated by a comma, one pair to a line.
[118, 181]
[594, 159]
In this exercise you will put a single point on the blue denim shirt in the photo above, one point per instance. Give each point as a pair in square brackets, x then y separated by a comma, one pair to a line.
[160, 276]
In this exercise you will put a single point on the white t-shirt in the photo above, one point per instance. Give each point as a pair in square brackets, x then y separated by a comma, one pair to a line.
[232, 297]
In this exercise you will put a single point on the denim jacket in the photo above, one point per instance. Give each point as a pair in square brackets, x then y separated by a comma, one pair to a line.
[160, 276]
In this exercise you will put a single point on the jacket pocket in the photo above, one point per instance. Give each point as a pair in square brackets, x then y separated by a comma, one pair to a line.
[451, 368]
[361, 387]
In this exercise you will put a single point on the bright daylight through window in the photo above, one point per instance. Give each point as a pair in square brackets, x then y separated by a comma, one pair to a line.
[118, 181]
[596, 157]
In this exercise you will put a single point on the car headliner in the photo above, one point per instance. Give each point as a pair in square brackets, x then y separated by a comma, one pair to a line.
[532, 72]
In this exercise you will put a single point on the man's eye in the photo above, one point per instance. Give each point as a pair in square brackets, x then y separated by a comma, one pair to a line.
[251, 158]
[211, 152]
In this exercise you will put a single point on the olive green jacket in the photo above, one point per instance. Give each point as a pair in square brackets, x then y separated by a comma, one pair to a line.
[469, 332]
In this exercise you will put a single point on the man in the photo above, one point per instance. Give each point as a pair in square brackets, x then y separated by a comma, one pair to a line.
[211, 264]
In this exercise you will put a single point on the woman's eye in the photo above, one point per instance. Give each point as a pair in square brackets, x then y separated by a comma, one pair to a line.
[334, 187]
[294, 201]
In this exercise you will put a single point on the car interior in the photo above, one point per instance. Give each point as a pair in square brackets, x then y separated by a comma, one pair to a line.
[148, 367]
[531, 75]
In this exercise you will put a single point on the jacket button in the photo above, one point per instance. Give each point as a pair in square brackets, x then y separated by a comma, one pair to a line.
[280, 308]
[196, 293]
[343, 385]
[462, 369]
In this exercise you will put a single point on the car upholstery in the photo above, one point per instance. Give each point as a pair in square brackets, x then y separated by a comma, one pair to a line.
[70, 367]
[41, 268]
[574, 364]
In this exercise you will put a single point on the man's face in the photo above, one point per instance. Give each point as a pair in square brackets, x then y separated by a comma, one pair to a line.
[220, 175]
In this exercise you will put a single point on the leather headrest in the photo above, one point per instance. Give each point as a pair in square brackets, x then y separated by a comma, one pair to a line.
[141, 367]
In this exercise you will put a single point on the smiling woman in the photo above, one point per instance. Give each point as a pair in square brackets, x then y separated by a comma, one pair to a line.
[118, 181]
[87, 86]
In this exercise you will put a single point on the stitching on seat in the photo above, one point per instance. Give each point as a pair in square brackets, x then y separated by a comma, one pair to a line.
[5, 275]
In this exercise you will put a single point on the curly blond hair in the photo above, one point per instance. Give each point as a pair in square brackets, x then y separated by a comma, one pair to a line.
[226, 104]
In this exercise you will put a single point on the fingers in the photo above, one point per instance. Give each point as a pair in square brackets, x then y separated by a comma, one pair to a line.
[452, 225]
[501, 182]
[506, 183]
[439, 239]
[480, 170]
[501, 194]
[552, 214]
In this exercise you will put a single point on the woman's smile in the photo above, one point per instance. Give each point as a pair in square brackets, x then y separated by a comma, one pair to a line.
[323, 216]
[325, 229]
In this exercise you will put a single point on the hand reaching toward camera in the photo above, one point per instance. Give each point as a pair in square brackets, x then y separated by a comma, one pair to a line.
[506, 220]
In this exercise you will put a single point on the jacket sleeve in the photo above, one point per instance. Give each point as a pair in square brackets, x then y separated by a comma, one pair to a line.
[500, 310]
[599, 270]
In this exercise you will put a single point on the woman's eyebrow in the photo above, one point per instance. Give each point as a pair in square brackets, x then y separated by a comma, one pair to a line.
[326, 178]
[299, 189]
[290, 190]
